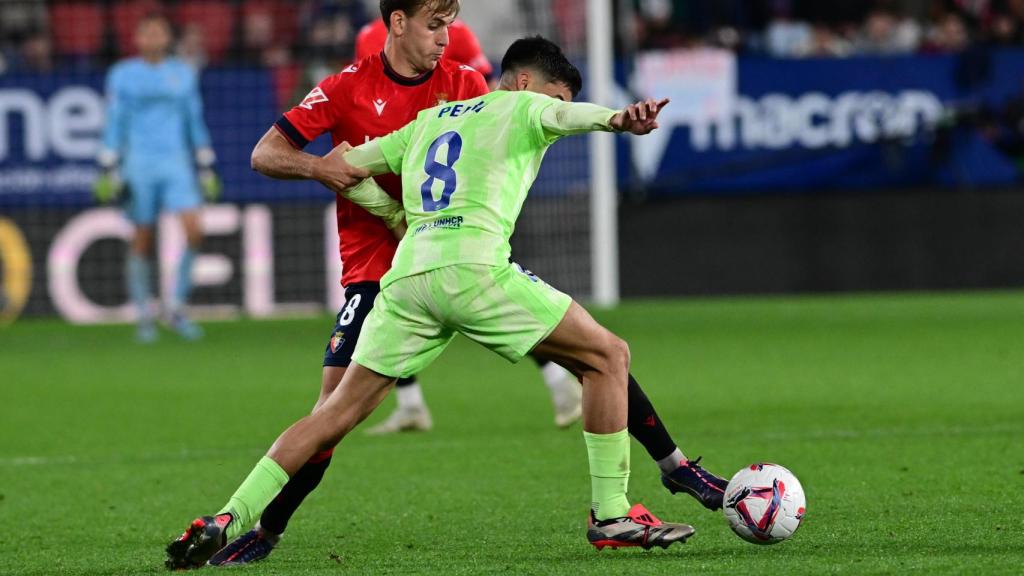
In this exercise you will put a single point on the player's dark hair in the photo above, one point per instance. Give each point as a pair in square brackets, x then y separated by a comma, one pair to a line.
[544, 56]
[411, 7]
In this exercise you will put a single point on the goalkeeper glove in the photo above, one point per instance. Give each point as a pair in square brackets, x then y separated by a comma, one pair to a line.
[108, 187]
[210, 184]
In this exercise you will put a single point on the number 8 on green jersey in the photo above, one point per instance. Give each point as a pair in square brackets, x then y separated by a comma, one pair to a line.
[466, 169]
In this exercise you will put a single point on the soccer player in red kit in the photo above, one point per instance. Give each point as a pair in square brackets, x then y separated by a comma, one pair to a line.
[369, 99]
[412, 412]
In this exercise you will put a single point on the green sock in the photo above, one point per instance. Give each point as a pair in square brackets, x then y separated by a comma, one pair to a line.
[609, 473]
[248, 502]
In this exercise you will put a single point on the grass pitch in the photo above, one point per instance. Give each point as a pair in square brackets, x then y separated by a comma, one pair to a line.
[903, 416]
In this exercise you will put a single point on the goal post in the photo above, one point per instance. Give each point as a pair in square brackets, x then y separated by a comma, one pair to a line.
[604, 244]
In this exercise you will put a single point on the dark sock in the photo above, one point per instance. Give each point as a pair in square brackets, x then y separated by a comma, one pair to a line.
[646, 426]
[276, 516]
[403, 382]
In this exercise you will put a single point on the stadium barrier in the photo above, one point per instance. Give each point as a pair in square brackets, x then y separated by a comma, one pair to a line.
[923, 239]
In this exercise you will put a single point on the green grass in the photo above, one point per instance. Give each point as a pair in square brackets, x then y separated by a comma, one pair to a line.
[903, 416]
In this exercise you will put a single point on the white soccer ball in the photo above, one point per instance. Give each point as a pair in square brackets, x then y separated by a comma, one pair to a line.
[764, 503]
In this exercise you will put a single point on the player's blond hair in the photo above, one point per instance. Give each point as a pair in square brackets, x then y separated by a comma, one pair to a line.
[412, 7]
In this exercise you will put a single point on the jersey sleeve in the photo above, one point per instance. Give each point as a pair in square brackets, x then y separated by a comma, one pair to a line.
[394, 145]
[315, 114]
[369, 196]
[551, 119]
[113, 130]
[198, 133]
[369, 156]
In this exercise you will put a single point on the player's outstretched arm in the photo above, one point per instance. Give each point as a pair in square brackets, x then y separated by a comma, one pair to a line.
[568, 118]
[640, 118]
[274, 156]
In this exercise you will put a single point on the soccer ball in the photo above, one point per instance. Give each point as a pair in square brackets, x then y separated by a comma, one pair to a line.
[764, 503]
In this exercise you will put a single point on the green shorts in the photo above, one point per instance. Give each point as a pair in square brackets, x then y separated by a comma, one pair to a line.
[505, 308]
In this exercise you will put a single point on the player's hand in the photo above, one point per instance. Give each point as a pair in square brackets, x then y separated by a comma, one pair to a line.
[334, 172]
[640, 118]
[107, 188]
[210, 184]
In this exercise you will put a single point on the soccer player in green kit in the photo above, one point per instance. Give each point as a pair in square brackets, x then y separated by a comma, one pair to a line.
[467, 168]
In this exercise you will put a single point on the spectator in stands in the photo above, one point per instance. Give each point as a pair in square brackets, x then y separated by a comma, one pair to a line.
[886, 34]
[329, 27]
[656, 27]
[1007, 25]
[36, 54]
[727, 38]
[785, 36]
[261, 42]
[192, 46]
[827, 43]
[19, 21]
[947, 35]
[1005, 30]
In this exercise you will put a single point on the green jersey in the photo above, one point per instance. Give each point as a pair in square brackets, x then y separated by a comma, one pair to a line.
[466, 170]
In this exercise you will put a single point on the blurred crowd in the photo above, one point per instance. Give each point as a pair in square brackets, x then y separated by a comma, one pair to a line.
[41, 35]
[815, 28]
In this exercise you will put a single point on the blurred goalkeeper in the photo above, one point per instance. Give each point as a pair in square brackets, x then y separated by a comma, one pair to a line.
[157, 157]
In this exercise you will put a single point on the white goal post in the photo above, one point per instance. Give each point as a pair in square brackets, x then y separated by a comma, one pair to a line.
[604, 235]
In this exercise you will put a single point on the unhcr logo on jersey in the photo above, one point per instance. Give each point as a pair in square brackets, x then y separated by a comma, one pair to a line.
[448, 222]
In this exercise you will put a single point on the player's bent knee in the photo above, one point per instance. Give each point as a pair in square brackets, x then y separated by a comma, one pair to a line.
[613, 356]
[622, 354]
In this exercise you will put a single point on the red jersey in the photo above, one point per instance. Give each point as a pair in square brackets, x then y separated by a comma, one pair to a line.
[463, 47]
[364, 101]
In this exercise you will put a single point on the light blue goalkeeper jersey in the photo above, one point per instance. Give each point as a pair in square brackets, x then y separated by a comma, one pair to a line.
[154, 111]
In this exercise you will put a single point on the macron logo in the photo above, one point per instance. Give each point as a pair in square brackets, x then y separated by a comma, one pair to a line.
[379, 105]
[315, 97]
